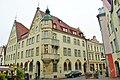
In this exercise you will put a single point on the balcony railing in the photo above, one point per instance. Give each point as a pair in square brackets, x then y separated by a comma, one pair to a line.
[50, 41]
[49, 56]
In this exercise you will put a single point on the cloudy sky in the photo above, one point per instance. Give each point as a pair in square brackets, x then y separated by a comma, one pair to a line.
[76, 13]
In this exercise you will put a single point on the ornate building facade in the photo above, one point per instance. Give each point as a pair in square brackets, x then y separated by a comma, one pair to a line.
[49, 49]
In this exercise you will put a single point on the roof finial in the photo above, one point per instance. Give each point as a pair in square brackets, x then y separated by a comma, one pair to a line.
[16, 16]
[38, 5]
[47, 11]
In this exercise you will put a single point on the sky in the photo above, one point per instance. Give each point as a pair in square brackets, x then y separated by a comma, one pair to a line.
[76, 13]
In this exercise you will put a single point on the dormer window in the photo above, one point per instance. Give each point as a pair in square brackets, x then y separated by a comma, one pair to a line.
[60, 21]
[54, 26]
[74, 32]
[64, 29]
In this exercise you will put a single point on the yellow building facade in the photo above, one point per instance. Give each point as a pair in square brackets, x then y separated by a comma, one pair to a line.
[96, 56]
[49, 49]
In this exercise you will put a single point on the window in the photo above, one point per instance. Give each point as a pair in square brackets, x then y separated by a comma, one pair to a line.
[22, 43]
[75, 52]
[69, 66]
[54, 26]
[54, 67]
[26, 53]
[37, 38]
[74, 41]
[36, 28]
[89, 57]
[78, 42]
[11, 56]
[115, 44]
[37, 51]
[83, 44]
[68, 39]
[33, 40]
[80, 66]
[65, 51]
[45, 48]
[69, 52]
[18, 55]
[79, 54]
[27, 42]
[21, 54]
[96, 57]
[92, 56]
[65, 66]
[76, 66]
[29, 53]
[46, 22]
[84, 55]
[32, 52]
[45, 34]
[30, 41]
[64, 39]
[112, 46]
[54, 36]
[18, 45]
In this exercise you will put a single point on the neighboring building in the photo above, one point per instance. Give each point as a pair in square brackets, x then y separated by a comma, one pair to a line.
[110, 29]
[95, 55]
[49, 49]
[2, 55]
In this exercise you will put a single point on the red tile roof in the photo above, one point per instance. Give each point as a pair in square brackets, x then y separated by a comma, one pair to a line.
[61, 25]
[21, 29]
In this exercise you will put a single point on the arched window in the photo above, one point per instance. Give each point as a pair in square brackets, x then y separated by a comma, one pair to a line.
[69, 66]
[21, 65]
[65, 66]
[26, 66]
[80, 66]
[31, 66]
[76, 66]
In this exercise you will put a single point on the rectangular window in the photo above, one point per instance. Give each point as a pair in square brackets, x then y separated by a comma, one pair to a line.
[21, 54]
[18, 55]
[78, 42]
[45, 48]
[89, 57]
[26, 53]
[54, 67]
[69, 52]
[37, 51]
[32, 52]
[92, 56]
[11, 56]
[45, 34]
[112, 46]
[83, 43]
[54, 36]
[74, 41]
[18, 45]
[64, 39]
[27, 42]
[84, 55]
[22, 43]
[33, 40]
[65, 51]
[75, 52]
[79, 53]
[37, 38]
[115, 44]
[29, 53]
[68, 39]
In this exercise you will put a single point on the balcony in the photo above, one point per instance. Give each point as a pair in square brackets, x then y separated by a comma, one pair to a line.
[48, 57]
[50, 41]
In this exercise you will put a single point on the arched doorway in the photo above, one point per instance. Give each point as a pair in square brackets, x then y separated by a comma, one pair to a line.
[37, 69]
[85, 67]
[117, 68]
